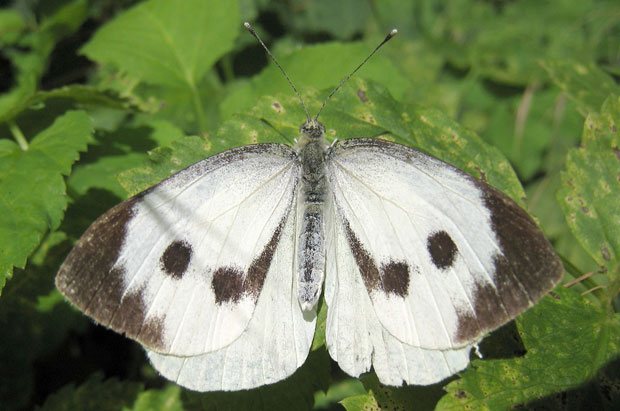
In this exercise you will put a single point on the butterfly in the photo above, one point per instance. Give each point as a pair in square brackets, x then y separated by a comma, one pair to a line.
[218, 270]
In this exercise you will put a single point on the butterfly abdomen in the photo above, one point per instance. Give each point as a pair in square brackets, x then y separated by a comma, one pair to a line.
[311, 238]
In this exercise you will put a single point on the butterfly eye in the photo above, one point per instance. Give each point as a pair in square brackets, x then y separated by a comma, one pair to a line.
[312, 129]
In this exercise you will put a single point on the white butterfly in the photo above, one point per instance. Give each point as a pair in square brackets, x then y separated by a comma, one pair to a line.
[217, 270]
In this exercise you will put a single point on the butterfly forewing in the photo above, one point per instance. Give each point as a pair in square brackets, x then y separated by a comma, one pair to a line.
[444, 258]
[180, 267]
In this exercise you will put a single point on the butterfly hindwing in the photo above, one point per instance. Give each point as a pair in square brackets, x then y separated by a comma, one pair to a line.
[444, 257]
[180, 267]
[275, 343]
[356, 339]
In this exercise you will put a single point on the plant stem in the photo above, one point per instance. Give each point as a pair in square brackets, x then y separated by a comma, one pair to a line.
[18, 136]
[198, 108]
[227, 69]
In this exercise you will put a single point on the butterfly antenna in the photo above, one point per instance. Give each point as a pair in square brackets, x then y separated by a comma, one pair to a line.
[344, 80]
[249, 27]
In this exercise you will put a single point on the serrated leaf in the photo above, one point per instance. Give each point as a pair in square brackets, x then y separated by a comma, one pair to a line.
[33, 189]
[585, 83]
[567, 340]
[95, 394]
[590, 193]
[167, 43]
[30, 65]
[116, 152]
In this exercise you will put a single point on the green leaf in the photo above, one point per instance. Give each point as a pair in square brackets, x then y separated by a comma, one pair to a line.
[315, 67]
[77, 93]
[524, 127]
[116, 152]
[585, 83]
[94, 394]
[551, 332]
[167, 43]
[590, 194]
[382, 397]
[543, 203]
[328, 16]
[30, 65]
[11, 26]
[166, 399]
[504, 41]
[366, 402]
[33, 188]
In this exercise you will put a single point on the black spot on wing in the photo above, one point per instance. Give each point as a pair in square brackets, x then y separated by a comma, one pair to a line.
[395, 278]
[392, 279]
[525, 268]
[442, 249]
[175, 259]
[91, 279]
[229, 284]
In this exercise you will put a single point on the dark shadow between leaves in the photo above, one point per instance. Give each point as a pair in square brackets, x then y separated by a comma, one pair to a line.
[503, 343]
[600, 393]
[85, 209]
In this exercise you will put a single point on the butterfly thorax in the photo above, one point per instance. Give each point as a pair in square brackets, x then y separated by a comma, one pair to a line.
[311, 150]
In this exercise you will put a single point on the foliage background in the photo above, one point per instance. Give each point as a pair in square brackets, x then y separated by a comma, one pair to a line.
[99, 98]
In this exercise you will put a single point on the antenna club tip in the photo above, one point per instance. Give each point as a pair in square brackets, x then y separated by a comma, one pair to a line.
[393, 32]
[247, 25]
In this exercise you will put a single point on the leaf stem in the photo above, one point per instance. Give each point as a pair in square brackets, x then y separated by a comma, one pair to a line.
[198, 108]
[18, 136]
[613, 288]
[227, 68]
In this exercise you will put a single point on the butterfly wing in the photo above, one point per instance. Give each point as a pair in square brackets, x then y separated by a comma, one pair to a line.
[179, 268]
[275, 343]
[356, 339]
[444, 257]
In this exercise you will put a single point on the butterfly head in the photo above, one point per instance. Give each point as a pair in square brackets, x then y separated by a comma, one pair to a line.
[312, 129]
